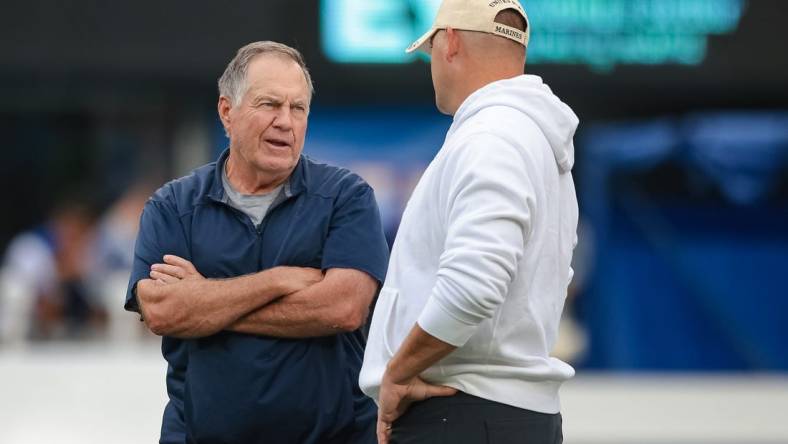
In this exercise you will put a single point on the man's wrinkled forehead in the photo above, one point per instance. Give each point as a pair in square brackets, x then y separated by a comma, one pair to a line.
[276, 75]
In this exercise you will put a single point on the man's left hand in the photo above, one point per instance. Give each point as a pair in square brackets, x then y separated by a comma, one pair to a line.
[173, 270]
[174, 310]
[396, 397]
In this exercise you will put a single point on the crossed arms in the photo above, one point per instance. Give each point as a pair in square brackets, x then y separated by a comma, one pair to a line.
[292, 302]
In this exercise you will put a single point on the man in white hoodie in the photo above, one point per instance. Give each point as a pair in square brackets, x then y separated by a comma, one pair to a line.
[460, 341]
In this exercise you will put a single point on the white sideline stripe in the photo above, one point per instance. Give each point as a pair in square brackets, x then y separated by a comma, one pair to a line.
[686, 408]
[99, 393]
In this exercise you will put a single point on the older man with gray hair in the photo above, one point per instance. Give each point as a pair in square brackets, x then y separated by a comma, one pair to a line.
[258, 271]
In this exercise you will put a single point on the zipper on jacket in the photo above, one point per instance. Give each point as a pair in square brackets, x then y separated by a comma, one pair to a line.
[261, 228]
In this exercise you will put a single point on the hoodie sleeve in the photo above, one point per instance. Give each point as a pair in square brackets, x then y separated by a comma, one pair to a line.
[489, 200]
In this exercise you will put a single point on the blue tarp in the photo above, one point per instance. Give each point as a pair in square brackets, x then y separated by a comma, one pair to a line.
[681, 283]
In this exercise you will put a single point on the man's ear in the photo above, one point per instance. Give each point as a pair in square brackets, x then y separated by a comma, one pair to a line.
[452, 43]
[223, 107]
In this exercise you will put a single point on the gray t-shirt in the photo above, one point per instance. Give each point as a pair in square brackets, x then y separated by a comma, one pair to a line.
[253, 205]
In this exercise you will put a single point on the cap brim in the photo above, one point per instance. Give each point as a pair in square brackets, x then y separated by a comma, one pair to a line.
[418, 44]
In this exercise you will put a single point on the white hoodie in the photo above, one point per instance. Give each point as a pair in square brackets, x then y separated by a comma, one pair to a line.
[482, 256]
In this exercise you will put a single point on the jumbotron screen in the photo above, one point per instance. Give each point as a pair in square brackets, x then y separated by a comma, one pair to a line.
[597, 33]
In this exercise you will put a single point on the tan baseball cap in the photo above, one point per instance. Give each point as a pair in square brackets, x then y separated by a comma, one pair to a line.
[475, 15]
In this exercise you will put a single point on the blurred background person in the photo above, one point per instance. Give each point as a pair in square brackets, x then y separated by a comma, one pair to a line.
[45, 278]
[110, 260]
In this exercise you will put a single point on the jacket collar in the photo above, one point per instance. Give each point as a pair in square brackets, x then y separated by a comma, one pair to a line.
[294, 185]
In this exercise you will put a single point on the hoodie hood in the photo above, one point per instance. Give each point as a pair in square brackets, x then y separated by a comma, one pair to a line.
[532, 97]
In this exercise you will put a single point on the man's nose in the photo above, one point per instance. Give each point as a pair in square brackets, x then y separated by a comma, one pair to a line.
[284, 118]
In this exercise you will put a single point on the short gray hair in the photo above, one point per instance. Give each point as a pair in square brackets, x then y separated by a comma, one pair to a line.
[232, 83]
